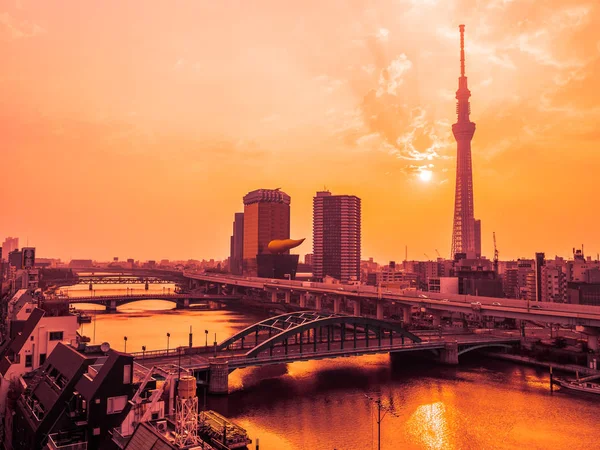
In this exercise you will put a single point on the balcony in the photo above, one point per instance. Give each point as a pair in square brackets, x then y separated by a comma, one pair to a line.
[67, 441]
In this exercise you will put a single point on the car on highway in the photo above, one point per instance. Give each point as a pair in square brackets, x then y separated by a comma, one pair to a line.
[445, 300]
[496, 304]
[476, 303]
[536, 307]
[340, 289]
[423, 296]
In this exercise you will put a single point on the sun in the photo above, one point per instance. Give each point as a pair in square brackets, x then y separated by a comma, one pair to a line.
[425, 175]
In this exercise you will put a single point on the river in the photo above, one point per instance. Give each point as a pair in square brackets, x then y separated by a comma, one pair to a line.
[321, 405]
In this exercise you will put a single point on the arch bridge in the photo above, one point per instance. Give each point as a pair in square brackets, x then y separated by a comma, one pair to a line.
[312, 335]
[316, 330]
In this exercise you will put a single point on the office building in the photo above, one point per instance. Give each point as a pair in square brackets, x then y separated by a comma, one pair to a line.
[553, 281]
[266, 218]
[10, 244]
[237, 245]
[477, 231]
[336, 236]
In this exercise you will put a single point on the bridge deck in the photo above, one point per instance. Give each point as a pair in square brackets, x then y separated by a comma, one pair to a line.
[297, 352]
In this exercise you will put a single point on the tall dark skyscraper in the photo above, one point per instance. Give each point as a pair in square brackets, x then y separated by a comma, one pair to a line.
[336, 236]
[477, 232]
[237, 245]
[266, 217]
[463, 231]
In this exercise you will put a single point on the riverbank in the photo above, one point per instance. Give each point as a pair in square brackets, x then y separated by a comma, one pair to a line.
[572, 368]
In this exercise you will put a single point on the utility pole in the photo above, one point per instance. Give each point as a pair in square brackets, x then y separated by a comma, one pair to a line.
[386, 410]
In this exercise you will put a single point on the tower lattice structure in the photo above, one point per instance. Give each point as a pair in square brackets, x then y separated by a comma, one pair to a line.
[186, 421]
[463, 230]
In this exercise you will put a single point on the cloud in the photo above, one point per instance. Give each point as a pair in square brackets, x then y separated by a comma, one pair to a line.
[370, 68]
[12, 29]
[390, 78]
[383, 34]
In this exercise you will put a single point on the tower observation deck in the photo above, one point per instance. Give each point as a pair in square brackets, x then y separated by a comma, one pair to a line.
[463, 230]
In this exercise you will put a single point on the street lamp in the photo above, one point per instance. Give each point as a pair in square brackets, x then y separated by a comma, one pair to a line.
[168, 337]
[143, 351]
[206, 344]
[125, 340]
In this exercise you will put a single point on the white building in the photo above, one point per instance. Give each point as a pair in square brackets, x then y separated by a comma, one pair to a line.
[443, 285]
[34, 335]
[553, 282]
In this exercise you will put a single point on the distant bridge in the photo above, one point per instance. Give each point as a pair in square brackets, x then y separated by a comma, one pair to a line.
[310, 335]
[111, 302]
[111, 279]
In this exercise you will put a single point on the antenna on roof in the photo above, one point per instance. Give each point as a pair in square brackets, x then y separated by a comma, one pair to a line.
[462, 50]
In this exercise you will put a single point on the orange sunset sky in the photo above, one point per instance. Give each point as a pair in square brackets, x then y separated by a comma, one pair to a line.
[134, 128]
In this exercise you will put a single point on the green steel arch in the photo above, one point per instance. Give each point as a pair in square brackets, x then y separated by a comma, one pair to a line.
[486, 345]
[288, 325]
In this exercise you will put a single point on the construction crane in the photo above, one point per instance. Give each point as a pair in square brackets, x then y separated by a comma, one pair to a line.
[495, 255]
[426, 256]
[438, 253]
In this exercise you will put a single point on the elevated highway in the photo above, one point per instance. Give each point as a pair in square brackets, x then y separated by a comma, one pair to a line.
[557, 313]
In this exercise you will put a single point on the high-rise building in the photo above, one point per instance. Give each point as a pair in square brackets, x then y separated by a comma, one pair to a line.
[308, 259]
[266, 217]
[463, 231]
[477, 231]
[540, 261]
[237, 245]
[336, 236]
[9, 245]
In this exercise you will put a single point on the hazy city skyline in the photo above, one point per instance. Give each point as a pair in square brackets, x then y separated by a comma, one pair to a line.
[150, 160]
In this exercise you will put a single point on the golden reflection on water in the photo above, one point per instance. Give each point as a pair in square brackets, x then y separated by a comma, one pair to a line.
[428, 425]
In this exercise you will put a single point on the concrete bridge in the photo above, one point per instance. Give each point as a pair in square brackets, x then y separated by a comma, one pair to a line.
[397, 302]
[310, 335]
[111, 302]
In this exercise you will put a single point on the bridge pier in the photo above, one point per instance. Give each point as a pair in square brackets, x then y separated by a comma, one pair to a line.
[406, 314]
[185, 304]
[337, 304]
[288, 297]
[449, 354]
[303, 299]
[112, 306]
[274, 297]
[592, 336]
[218, 380]
[356, 307]
[319, 302]
[379, 310]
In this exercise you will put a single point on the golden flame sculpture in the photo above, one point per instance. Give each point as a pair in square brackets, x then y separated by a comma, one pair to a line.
[277, 246]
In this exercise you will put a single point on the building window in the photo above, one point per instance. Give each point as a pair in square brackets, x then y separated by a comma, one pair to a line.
[56, 336]
[116, 404]
[28, 360]
[96, 431]
[127, 374]
[42, 358]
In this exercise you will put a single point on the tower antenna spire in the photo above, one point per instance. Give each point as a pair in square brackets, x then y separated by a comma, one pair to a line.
[462, 50]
